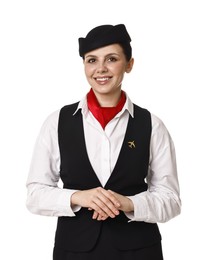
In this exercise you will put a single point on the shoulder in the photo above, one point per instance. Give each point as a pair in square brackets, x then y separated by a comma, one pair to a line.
[49, 127]
[160, 133]
[141, 112]
[69, 110]
[157, 124]
[70, 106]
[51, 120]
[156, 121]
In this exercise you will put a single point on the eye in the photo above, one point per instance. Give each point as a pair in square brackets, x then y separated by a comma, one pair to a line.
[91, 60]
[112, 59]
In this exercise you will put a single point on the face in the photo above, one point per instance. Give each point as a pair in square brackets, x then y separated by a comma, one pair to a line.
[105, 68]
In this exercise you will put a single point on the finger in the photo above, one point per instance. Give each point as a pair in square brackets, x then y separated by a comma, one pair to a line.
[111, 196]
[107, 203]
[105, 207]
[98, 216]
[99, 208]
[103, 201]
[95, 215]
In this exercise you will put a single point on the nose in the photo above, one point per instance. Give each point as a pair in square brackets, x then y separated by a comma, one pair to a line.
[102, 67]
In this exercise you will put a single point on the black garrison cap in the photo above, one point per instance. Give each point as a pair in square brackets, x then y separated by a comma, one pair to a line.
[105, 35]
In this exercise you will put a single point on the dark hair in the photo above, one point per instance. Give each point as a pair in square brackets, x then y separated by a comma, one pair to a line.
[127, 50]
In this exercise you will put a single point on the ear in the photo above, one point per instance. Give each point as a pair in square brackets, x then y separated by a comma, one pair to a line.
[129, 65]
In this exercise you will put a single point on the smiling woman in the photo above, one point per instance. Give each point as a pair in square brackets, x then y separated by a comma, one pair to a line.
[116, 161]
[104, 69]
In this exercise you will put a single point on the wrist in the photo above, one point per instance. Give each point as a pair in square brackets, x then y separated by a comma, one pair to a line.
[130, 207]
[74, 200]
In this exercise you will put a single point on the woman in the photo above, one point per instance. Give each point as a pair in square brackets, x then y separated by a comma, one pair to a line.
[116, 161]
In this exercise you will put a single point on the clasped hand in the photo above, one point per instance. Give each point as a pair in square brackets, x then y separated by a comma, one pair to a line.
[104, 203]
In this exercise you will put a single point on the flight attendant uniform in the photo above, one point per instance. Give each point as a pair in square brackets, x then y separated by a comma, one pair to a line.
[81, 237]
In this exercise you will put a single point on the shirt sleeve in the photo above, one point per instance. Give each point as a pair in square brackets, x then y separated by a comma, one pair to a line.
[161, 202]
[44, 196]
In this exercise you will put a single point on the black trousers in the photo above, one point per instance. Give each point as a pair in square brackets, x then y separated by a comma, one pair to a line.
[104, 250]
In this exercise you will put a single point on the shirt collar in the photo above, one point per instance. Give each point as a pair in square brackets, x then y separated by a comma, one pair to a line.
[84, 108]
[128, 106]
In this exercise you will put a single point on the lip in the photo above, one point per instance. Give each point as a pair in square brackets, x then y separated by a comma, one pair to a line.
[102, 80]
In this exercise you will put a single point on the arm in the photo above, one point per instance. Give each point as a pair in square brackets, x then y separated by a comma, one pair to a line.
[44, 197]
[161, 202]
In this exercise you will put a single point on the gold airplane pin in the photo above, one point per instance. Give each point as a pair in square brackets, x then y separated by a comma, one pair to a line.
[131, 144]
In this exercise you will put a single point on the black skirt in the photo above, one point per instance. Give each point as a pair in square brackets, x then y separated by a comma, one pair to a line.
[104, 250]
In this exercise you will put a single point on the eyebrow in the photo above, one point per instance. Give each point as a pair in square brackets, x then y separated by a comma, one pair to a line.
[109, 54]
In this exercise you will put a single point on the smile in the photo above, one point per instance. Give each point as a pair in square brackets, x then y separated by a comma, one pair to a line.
[102, 80]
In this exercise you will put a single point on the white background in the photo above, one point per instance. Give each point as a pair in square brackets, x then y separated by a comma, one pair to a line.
[40, 71]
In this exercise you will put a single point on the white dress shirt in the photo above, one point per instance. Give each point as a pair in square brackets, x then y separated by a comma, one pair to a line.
[159, 203]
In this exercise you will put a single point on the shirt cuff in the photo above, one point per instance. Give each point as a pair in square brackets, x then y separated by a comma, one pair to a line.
[140, 212]
[65, 205]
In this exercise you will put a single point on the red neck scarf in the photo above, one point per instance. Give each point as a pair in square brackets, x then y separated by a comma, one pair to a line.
[104, 114]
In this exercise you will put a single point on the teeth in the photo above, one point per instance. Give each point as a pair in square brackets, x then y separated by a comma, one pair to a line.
[102, 79]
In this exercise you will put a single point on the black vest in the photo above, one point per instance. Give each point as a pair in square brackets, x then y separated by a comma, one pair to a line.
[80, 233]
